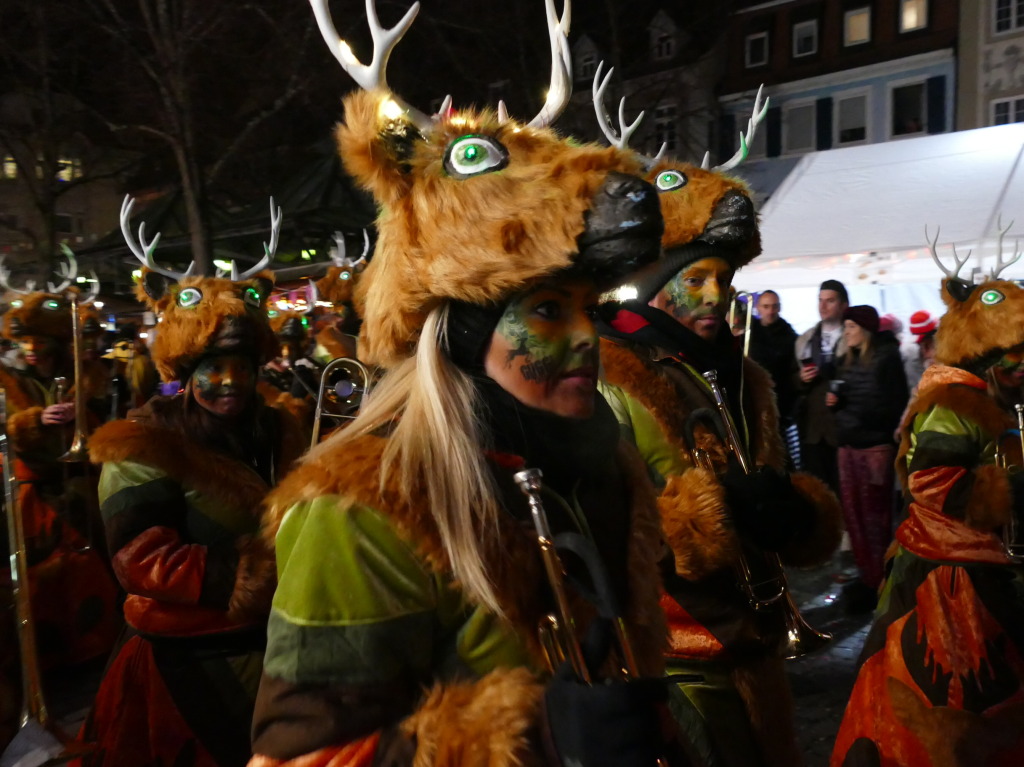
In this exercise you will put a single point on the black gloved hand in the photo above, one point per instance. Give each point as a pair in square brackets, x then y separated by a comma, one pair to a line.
[765, 508]
[605, 723]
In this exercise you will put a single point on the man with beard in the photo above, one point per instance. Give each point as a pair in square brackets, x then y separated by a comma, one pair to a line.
[655, 350]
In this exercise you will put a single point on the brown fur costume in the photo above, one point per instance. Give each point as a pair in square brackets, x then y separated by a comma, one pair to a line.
[185, 333]
[523, 221]
[38, 314]
[494, 704]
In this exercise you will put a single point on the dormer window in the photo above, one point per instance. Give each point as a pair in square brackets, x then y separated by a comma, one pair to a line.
[664, 46]
[587, 67]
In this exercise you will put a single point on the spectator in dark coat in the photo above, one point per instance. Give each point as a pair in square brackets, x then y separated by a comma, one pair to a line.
[772, 342]
[868, 400]
[817, 350]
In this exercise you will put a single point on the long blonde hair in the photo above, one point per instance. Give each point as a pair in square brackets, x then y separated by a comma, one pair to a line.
[436, 444]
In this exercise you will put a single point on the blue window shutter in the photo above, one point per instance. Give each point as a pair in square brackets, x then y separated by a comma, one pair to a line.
[936, 94]
[773, 132]
[726, 136]
[823, 123]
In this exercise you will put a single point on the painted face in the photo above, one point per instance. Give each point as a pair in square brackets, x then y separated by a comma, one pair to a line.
[544, 349]
[854, 334]
[1009, 371]
[224, 384]
[768, 307]
[698, 296]
[830, 306]
[37, 349]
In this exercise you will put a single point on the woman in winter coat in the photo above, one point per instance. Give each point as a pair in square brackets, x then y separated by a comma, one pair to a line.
[870, 397]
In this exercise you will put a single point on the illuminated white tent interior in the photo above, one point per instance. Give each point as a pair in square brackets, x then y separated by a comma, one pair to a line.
[859, 214]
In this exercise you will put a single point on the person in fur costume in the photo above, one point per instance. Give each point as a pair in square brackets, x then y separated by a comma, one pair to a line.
[291, 380]
[941, 681]
[337, 327]
[404, 628]
[655, 348]
[180, 489]
[73, 595]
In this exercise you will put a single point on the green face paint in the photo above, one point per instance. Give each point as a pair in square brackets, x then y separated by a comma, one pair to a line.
[544, 349]
[698, 295]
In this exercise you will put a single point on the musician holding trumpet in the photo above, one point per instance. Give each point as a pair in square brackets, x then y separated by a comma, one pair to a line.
[705, 421]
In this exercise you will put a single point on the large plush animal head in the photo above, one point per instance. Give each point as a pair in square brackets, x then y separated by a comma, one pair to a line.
[983, 321]
[706, 211]
[46, 313]
[473, 205]
[199, 315]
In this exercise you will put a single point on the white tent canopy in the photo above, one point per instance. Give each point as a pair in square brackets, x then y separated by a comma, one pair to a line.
[859, 214]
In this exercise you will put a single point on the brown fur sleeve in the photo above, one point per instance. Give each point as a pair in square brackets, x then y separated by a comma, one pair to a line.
[26, 431]
[485, 723]
[255, 580]
[828, 523]
[696, 524]
[991, 499]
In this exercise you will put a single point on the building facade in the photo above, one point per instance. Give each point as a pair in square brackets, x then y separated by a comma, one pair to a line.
[991, 63]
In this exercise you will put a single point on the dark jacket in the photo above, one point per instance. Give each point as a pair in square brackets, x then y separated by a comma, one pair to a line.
[815, 421]
[773, 348]
[873, 395]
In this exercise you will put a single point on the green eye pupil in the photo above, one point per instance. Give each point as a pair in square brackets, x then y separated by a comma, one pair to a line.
[991, 296]
[51, 304]
[305, 322]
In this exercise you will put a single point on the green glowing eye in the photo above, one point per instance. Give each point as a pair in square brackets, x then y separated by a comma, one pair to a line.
[17, 303]
[670, 179]
[189, 297]
[305, 322]
[272, 313]
[472, 155]
[990, 297]
[346, 275]
[51, 304]
[251, 296]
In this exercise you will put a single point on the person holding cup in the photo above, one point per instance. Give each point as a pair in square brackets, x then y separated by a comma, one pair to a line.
[868, 402]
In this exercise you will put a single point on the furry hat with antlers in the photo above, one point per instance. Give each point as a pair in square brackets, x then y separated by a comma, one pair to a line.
[983, 321]
[46, 313]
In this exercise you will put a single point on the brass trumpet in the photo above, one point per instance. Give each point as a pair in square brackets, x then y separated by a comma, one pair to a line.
[347, 393]
[35, 715]
[771, 589]
[78, 451]
[1011, 532]
[558, 632]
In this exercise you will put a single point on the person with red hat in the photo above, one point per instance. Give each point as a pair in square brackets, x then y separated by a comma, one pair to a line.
[868, 399]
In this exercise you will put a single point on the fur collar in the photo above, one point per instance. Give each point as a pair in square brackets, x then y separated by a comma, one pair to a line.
[656, 386]
[210, 473]
[512, 556]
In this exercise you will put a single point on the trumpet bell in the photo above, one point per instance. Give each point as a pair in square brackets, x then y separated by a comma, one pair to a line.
[78, 452]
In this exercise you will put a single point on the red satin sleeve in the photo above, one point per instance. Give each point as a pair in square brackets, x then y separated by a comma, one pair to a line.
[156, 564]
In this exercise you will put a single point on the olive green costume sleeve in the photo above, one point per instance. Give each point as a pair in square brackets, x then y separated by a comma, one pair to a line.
[641, 429]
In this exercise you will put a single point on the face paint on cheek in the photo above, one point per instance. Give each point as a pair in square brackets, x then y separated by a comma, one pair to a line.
[681, 300]
[538, 370]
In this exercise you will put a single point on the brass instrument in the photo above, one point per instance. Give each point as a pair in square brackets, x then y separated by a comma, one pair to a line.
[347, 393]
[772, 589]
[35, 715]
[557, 632]
[78, 451]
[1011, 532]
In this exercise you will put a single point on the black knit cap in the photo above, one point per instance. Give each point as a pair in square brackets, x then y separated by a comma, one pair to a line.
[838, 287]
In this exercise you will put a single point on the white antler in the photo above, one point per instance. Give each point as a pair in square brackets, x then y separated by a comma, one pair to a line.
[1000, 264]
[68, 271]
[268, 250]
[745, 140]
[339, 254]
[604, 119]
[5, 277]
[144, 252]
[935, 256]
[94, 289]
[560, 88]
[311, 297]
[372, 76]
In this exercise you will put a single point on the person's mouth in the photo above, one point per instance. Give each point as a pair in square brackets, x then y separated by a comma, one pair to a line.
[584, 374]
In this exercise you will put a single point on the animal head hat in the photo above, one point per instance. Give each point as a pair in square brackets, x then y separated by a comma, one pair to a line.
[203, 315]
[473, 205]
[707, 213]
[45, 313]
[982, 321]
[290, 321]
